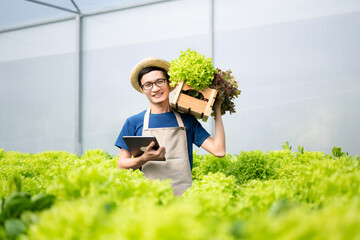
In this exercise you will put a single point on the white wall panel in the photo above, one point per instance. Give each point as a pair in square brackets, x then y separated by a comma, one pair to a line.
[37, 89]
[50, 39]
[236, 14]
[298, 65]
[157, 22]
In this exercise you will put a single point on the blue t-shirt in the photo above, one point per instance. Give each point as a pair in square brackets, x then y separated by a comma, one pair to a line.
[195, 133]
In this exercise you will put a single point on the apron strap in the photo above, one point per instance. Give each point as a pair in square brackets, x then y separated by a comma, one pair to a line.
[178, 118]
[147, 117]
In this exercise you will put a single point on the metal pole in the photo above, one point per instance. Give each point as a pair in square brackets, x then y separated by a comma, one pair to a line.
[136, 5]
[38, 24]
[77, 8]
[78, 87]
[211, 28]
[211, 40]
[82, 14]
[53, 6]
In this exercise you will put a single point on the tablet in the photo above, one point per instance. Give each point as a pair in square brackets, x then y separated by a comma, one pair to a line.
[138, 144]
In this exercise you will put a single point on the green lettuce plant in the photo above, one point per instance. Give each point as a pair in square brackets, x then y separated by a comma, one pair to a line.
[199, 73]
[18, 210]
[192, 67]
[251, 195]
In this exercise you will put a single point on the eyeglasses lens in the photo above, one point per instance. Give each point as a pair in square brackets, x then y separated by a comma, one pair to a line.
[159, 83]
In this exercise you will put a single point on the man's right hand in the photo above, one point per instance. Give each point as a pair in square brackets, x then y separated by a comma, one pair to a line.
[126, 161]
[153, 155]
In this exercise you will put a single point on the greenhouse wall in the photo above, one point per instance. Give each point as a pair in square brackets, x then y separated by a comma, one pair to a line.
[37, 88]
[297, 64]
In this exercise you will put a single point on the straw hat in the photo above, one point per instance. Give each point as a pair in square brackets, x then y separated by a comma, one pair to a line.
[147, 62]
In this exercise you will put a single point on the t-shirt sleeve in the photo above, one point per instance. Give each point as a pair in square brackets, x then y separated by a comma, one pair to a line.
[200, 134]
[127, 130]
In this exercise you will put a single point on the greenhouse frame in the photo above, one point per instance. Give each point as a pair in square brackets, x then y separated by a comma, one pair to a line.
[65, 67]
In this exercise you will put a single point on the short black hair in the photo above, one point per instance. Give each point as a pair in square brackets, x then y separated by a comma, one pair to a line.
[150, 69]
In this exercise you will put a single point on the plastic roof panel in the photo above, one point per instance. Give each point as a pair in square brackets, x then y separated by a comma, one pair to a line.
[17, 13]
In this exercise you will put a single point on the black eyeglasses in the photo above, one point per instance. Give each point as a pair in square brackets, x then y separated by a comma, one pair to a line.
[149, 85]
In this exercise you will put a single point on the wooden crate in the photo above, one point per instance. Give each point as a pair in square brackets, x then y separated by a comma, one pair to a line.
[199, 108]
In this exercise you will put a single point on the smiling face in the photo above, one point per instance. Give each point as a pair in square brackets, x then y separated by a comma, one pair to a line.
[156, 95]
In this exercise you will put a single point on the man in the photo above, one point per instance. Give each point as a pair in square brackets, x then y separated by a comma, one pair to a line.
[175, 132]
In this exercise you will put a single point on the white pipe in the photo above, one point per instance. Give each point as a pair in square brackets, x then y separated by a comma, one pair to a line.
[78, 88]
[211, 43]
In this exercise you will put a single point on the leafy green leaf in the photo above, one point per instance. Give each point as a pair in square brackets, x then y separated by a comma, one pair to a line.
[287, 146]
[14, 227]
[29, 217]
[16, 203]
[193, 68]
[301, 149]
[14, 182]
[336, 152]
[42, 201]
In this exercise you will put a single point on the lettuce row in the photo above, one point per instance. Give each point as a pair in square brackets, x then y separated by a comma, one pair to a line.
[251, 195]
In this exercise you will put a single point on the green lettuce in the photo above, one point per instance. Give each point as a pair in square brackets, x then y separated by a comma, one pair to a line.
[193, 68]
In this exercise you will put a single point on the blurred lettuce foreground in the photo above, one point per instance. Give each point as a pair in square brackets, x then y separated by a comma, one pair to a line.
[251, 195]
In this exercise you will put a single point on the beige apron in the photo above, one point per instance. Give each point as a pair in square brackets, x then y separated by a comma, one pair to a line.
[177, 165]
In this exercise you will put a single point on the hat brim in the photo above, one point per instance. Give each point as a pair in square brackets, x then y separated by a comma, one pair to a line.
[147, 62]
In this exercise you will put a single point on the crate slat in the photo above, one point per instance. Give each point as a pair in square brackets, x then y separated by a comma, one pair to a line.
[196, 107]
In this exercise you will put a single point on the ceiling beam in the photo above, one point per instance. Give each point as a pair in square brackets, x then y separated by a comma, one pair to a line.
[57, 7]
